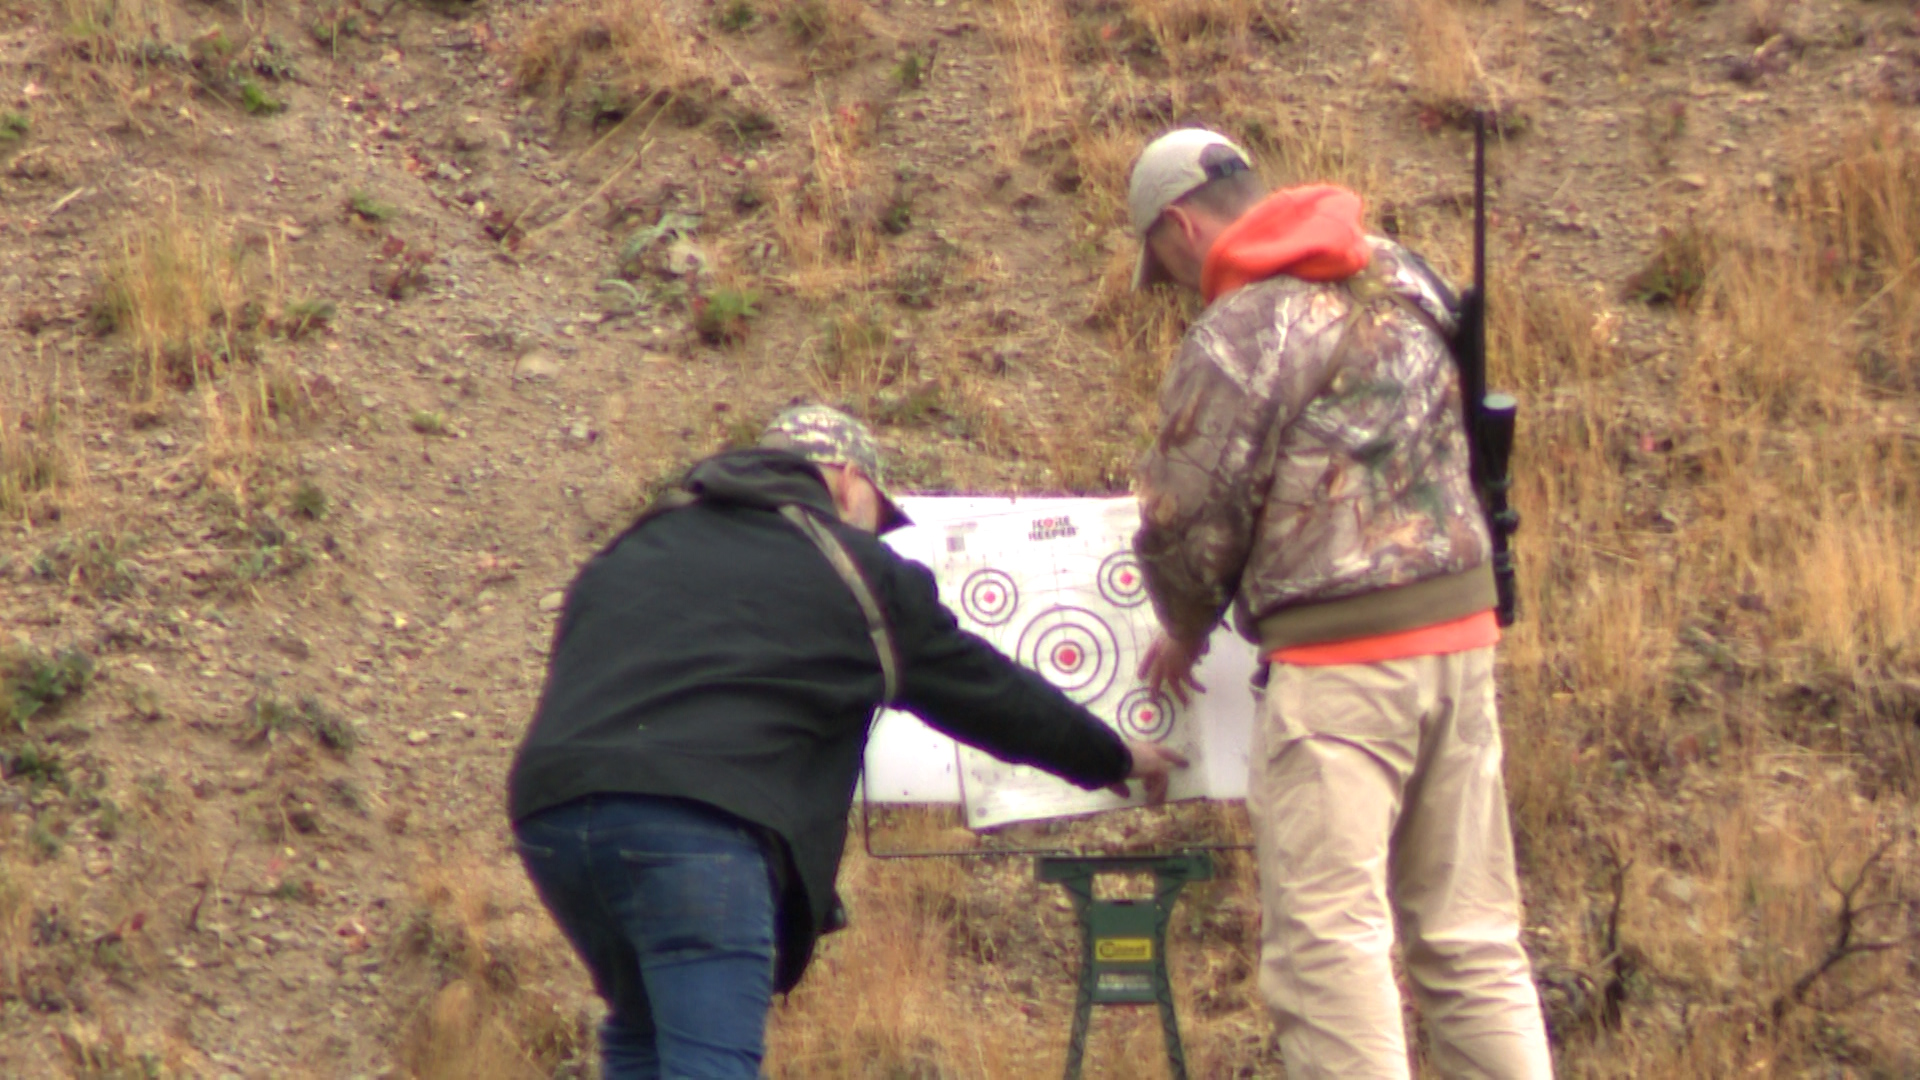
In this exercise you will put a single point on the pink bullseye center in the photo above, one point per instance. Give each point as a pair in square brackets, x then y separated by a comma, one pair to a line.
[1066, 657]
[989, 598]
[1126, 578]
[1146, 715]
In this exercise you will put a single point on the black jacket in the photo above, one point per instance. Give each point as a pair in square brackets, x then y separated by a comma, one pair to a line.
[712, 653]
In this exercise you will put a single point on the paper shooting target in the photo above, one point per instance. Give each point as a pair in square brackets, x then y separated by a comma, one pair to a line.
[1055, 586]
[1121, 582]
[989, 597]
[1074, 649]
[1144, 714]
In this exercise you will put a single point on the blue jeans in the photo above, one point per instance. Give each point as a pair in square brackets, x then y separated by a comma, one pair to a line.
[670, 905]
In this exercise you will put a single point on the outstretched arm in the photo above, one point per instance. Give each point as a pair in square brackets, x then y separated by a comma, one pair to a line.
[966, 688]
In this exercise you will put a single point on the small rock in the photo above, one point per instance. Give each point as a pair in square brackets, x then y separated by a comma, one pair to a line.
[536, 365]
[1692, 181]
[1676, 888]
[291, 644]
[685, 258]
[553, 601]
[418, 736]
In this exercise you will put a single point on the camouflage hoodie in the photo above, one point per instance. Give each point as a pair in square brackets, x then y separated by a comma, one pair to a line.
[1312, 467]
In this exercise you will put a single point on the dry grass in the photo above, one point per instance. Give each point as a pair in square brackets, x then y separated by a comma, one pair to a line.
[109, 30]
[941, 935]
[1031, 38]
[900, 938]
[858, 352]
[1719, 603]
[1712, 685]
[187, 295]
[1713, 682]
[119, 43]
[1466, 62]
[1447, 71]
[1196, 37]
[192, 296]
[17, 896]
[617, 53]
[37, 458]
[827, 220]
[475, 1020]
[828, 31]
[1647, 29]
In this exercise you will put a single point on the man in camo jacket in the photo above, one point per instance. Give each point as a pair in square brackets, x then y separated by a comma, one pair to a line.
[1312, 473]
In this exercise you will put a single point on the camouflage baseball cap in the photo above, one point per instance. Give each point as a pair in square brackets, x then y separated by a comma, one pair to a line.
[827, 436]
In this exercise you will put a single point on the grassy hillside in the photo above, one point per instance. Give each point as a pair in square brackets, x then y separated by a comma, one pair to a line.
[335, 335]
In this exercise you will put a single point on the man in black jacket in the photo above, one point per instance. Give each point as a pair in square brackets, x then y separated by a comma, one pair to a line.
[681, 798]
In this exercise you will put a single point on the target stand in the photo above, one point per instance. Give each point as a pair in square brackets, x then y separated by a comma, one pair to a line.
[1123, 943]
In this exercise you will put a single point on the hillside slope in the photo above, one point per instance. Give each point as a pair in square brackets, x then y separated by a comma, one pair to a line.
[337, 335]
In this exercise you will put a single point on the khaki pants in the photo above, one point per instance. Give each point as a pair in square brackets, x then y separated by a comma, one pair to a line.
[1376, 793]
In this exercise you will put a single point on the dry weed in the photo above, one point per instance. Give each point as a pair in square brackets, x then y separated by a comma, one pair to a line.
[1198, 36]
[1647, 29]
[829, 30]
[900, 939]
[828, 220]
[1858, 206]
[470, 1031]
[1459, 69]
[1447, 71]
[193, 297]
[185, 291]
[1292, 150]
[858, 353]
[36, 458]
[475, 1019]
[1859, 586]
[127, 31]
[1030, 36]
[626, 52]
[17, 896]
[1546, 335]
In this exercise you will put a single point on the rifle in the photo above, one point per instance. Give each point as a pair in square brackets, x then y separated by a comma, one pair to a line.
[1489, 416]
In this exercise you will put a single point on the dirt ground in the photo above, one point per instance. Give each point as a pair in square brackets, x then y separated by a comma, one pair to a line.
[317, 572]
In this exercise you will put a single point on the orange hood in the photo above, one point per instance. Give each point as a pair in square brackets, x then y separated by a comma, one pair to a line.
[1310, 232]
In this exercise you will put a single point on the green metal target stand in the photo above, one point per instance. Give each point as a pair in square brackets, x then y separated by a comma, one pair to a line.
[1123, 943]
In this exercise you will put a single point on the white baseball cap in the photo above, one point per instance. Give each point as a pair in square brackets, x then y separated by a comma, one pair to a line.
[1170, 167]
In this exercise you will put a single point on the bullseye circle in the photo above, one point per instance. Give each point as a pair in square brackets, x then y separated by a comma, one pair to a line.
[988, 597]
[1073, 649]
[1121, 582]
[1145, 715]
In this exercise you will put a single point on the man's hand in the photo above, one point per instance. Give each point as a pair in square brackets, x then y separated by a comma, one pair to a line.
[1168, 666]
[1154, 764]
